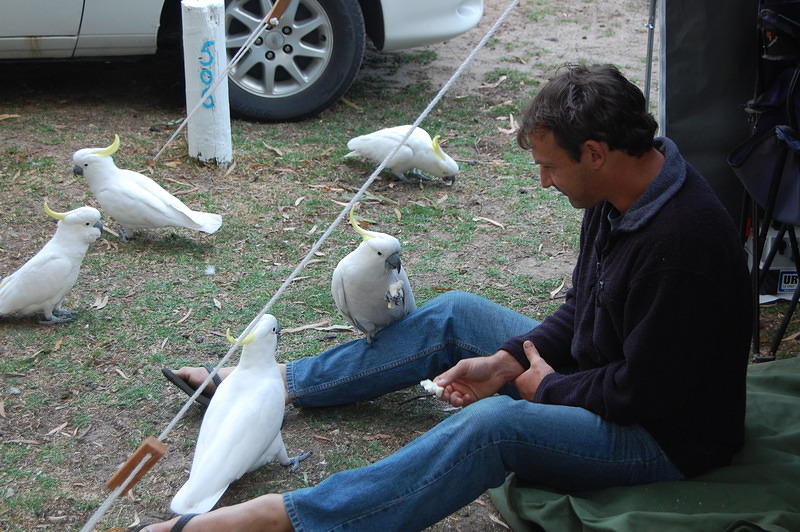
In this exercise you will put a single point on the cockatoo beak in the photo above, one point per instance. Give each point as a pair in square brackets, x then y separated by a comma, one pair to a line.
[77, 170]
[53, 214]
[110, 150]
[393, 260]
[99, 225]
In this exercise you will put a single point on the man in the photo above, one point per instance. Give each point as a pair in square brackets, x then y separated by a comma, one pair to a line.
[637, 378]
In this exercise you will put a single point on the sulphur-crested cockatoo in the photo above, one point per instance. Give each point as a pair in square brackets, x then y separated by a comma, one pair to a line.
[241, 429]
[40, 285]
[370, 286]
[419, 152]
[134, 200]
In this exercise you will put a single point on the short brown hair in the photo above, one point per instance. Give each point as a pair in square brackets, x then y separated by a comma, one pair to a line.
[590, 103]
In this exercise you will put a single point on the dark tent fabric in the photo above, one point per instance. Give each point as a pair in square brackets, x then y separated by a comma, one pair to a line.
[760, 490]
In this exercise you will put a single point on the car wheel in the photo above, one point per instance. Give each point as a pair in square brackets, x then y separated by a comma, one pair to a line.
[298, 68]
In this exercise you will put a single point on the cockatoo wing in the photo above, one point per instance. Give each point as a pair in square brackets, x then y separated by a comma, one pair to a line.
[38, 285]
[339, 291]
[239, 427]
[138, 201]
[375, 146]
[410, 302]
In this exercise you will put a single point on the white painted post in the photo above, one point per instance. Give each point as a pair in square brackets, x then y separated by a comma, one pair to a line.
[204, 60]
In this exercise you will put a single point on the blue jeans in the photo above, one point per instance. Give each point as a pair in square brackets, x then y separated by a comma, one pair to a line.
[565, 448]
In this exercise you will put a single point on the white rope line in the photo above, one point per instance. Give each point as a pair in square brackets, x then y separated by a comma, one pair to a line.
[299, 268]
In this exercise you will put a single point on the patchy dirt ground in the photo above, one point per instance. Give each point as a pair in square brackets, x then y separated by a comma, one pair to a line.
[537, 36]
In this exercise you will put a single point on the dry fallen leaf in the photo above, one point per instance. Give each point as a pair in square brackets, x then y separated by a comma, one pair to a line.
[99, 302]
[2, 409]
[57, 346]
[184, 317]
[488, 220]
[58, 428]
[217, 303]
[494, 85]
[277, 152]
[7, 116]
[121, 374]
[498, 521]
[299, 200]
[305, 327]
[370, 437]
[555, 292]
[350, 103]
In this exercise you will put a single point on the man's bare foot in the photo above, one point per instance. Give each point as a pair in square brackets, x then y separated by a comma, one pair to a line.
[196, 375]
[262, 513]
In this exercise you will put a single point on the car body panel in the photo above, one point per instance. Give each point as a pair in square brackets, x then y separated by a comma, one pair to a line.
[122, 27]
[119, 27]
[24, 33]
[420, 22]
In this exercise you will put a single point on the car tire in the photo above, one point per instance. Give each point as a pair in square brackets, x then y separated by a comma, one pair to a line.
[299, 68]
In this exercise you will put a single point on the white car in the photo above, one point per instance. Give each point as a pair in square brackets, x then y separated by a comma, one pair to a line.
[294, 71]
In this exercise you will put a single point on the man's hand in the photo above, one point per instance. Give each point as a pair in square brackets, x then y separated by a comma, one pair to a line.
[475, 378]
[529, 381]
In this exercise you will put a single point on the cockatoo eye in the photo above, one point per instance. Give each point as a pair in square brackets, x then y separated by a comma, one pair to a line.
[379, 253]
[86, 164]
[274, 329]
[86, 224]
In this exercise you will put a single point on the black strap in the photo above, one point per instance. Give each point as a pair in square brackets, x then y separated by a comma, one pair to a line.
[216, 378]
[178, 526]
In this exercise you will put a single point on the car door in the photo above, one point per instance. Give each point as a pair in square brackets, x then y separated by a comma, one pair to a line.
[39, 28]
[119, 27]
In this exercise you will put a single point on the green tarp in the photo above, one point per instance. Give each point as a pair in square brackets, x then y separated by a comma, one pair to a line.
[760, 490]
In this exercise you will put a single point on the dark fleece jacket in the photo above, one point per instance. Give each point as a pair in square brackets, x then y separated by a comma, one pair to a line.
[656, 328]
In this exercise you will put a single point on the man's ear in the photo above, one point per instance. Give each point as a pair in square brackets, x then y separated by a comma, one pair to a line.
[595, 152]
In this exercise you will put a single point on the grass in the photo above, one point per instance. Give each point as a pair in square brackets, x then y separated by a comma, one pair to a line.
[86, 393]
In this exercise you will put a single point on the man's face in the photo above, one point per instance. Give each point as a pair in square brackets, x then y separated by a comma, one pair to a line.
[559, 170]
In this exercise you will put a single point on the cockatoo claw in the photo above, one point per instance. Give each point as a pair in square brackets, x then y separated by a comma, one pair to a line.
[449, 180]
[54, 320]
[124, 235]
[63, 313]
[415, 177]
[294, 461]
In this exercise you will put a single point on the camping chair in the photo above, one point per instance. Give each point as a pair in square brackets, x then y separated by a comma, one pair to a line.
[768, 163]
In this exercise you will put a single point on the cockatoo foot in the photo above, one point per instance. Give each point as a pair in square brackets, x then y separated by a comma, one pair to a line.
[448, 180]
[54, 320]
[414, 177]
[124, 235]
[294, 461]
[63, 313]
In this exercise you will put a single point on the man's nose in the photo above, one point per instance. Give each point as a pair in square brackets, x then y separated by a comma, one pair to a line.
[545, 178]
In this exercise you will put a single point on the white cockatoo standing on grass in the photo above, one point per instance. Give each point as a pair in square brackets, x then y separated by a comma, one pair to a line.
[370, 286]
[39, 286]
[419, 153]
[241, 429]
[134, 200]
